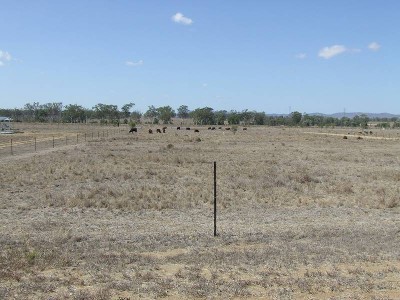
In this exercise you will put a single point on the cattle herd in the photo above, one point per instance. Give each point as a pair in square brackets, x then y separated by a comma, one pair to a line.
[163, 130]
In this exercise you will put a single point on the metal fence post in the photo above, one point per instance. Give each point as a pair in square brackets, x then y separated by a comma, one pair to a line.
[215, 198]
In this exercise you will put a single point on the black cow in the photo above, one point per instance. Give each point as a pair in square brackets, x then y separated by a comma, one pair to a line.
[187, 128]
[212, 128]
[227, 128]
[133, 129]
[244, 128]
[158, 130]
[196, 130]
[178, 128]
[150, 131]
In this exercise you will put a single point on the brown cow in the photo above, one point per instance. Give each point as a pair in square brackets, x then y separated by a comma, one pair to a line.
[244, 128]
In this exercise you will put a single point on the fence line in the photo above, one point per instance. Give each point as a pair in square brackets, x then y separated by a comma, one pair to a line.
[34, 144]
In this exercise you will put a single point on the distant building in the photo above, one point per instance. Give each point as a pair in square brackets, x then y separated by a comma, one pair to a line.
[5, 124]
[5, 119]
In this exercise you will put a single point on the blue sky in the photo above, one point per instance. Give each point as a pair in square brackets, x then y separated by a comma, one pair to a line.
[309, 56]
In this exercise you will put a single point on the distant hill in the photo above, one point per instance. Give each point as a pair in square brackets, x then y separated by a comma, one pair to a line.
[347, 114]
[353, 114]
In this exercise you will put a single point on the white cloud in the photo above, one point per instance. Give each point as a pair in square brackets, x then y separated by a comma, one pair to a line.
[134, 64]
[181, 19]
[205, 84]
[5, 56]
[329, 52]
[374, 46]
[301, 55]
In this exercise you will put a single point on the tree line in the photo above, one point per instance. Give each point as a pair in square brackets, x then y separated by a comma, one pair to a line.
[111, 114]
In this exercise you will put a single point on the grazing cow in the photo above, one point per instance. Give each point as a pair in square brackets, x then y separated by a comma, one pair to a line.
[244, 128]
[178, 128]
[209, 128]
[370, 132]
[227, 128]
[187, 128]
[133, 129]
[212, 128]
[163, 129]
[345, 137]
[150, 131]
[359, 138]
[196, 130]
[219, 127]
[158, 130]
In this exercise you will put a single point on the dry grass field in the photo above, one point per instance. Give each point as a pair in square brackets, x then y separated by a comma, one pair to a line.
[303, 214]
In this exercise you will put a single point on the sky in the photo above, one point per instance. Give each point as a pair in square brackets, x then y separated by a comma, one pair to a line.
[272, 56]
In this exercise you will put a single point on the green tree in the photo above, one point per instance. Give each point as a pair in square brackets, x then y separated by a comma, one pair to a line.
[152, 114]
[166, 113]
[51, 111]
[136, 116]
[106, 112]
[233, 117]
[73, 113]
[260, 118]
[361, 121]
[247, 117]
[220, 117]
[183, 112]
[203, 116]
[296, 117]
[126, 109]
[32, 111]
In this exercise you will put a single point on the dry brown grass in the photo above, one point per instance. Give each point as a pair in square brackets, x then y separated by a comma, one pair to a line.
[302, 216]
